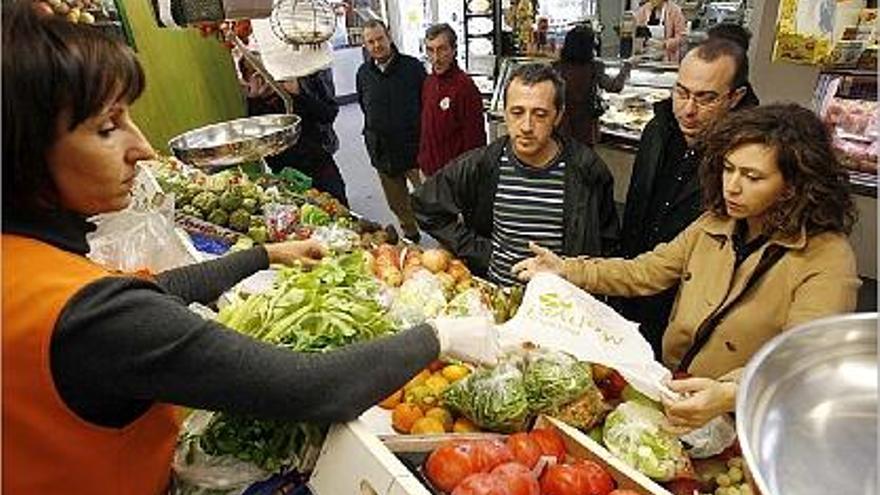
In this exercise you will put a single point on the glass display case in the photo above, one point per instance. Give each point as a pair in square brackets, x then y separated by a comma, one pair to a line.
[846, 100]
[628, 112]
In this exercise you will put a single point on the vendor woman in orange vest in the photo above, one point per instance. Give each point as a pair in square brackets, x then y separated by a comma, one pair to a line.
[94, 360]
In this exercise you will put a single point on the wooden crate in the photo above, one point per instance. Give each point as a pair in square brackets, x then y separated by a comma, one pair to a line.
[354, 460]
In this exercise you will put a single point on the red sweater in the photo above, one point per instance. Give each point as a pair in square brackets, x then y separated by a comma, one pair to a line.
[452, 119]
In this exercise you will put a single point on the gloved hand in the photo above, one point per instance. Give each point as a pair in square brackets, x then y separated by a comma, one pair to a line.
[473, 339]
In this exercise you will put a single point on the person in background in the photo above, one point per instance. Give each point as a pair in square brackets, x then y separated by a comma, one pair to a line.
[583, 76]
[532, 185]
[452, 108]
[389, 88]
[770, 253]
[314, 100]
[100, 359]
[664, 189]
[742, 37]
[666, 16]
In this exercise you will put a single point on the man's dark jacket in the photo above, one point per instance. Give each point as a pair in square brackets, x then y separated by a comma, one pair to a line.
[456, 206]
[392, 103]
[652, 312]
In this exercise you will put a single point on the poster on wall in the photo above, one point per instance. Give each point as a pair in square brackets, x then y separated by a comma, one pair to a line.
[804, 30]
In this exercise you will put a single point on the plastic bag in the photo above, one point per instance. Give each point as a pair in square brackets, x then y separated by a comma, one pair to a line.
[419, 298]
[553, 379]
[197, 473]
[711, 439]
[142, 236]
[634, 433]
[494, 399]
[281, 220]
[556, 314]
[468, 303]
[585, 412]
[335, 238]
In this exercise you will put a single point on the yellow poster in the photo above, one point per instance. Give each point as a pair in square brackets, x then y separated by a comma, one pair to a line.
[804, 30]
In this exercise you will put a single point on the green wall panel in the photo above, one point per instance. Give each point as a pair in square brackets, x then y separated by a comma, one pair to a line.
[191, 80]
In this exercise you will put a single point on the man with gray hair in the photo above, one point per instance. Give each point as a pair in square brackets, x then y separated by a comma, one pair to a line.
[452, 108]
[533, 185]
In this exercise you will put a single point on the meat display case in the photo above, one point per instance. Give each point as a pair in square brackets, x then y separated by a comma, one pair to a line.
[846, 100]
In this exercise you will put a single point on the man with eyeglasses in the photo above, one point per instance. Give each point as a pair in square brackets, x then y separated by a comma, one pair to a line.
[664, 190]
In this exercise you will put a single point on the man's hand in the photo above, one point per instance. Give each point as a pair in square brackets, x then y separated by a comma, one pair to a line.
[308, 252]
[702, 399]
[543, 261]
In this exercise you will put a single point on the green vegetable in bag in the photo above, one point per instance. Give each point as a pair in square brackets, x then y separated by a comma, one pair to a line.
[553, 379]
[633, 432]
[494, 399]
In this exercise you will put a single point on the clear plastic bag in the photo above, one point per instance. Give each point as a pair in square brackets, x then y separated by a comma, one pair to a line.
[335, 238]
[494, 399]
[711, 439]
[142, 236]
[419, 298]
[553, 379]
[468, 303]
[197, 473]
[634, 433]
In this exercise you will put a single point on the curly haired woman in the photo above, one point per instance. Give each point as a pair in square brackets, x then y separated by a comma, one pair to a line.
[769, 253]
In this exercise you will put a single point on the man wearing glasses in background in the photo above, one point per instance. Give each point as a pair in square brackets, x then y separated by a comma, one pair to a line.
[664, 190]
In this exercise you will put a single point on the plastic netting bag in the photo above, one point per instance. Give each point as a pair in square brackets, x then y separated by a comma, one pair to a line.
[142, 236]
[634, 433]
[468, 303]
[494, 399]
[553, 379]
[419, 298]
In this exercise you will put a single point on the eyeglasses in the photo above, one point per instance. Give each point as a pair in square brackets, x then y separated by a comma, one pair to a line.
[701, 98]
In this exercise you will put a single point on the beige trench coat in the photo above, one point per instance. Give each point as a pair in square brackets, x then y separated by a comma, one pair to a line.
[816, 277]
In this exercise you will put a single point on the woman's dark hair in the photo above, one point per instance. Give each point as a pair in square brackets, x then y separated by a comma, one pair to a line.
[53, 70]
[579, 46]
[819, 196]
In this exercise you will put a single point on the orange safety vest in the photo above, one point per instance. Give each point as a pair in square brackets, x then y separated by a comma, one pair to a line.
[47, 448]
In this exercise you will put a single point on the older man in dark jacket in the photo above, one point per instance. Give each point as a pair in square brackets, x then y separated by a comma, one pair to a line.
[664, 190]
[389, 88]
[531, 186]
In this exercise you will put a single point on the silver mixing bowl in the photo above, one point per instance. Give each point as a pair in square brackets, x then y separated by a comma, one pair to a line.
[236, 141]
[806, 409]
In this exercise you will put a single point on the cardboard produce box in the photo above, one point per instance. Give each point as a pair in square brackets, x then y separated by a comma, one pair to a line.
[354, 460]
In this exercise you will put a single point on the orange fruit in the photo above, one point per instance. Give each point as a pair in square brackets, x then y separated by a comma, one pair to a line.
[392, 400]
[463, 425]
[404, 416]
[442, 415]
[417, 380]
[427, 426]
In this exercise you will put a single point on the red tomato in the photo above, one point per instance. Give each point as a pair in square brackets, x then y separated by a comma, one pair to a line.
[449, 464]
[563, 479]
[597, 478]
[481, 484]
[489, 453]
[550, 442]
[518, 479]
[624, 491]
[524, 449]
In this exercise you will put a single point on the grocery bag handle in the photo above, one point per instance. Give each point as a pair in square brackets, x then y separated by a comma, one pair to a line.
[771, 255]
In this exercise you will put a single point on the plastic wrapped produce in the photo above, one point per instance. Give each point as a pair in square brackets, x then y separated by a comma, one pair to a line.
[553, 379]
[494, 399]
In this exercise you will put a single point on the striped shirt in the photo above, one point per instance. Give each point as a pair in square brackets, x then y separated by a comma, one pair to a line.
[528, 207]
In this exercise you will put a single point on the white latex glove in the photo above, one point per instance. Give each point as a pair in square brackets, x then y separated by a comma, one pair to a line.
[473, 339]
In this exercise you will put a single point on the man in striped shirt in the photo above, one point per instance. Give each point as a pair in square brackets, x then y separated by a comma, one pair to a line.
[532, 185]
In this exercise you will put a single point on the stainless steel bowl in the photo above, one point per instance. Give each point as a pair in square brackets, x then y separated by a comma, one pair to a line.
[806, 409]
[236, 141]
